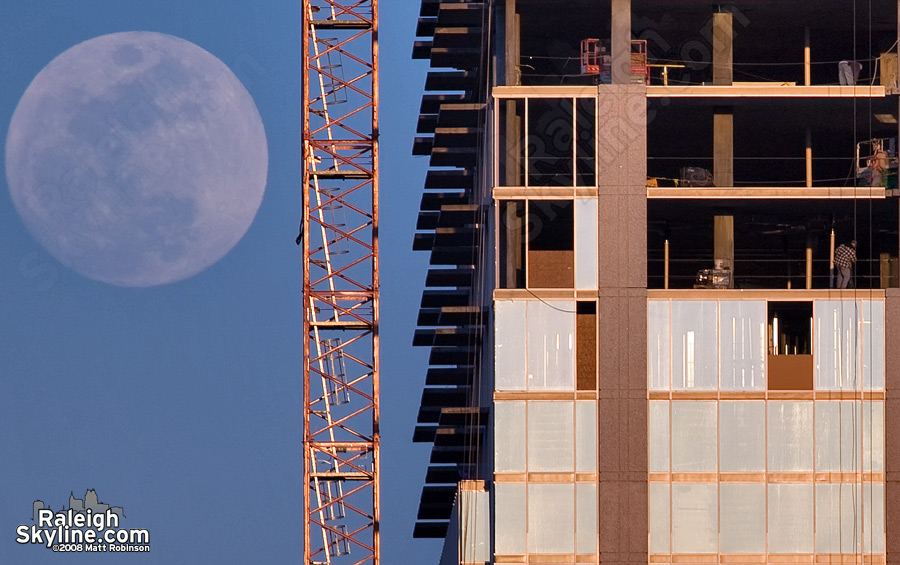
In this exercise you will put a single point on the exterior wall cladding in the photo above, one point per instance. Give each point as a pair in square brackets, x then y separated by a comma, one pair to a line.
[638, 353]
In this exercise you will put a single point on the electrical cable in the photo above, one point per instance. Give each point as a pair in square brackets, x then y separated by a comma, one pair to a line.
[664, 61]
[475, 341]
[758, 158]
[558, 309]
[869, 301]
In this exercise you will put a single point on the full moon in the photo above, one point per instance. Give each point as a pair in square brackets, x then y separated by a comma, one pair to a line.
[136, 159]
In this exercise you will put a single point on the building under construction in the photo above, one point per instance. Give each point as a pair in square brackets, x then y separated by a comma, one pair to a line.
[638, 350]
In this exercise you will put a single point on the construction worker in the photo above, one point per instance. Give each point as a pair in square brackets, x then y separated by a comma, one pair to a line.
[844, 258]
[848, 72]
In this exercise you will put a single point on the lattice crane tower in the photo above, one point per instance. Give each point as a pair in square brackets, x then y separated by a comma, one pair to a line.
[339, 238]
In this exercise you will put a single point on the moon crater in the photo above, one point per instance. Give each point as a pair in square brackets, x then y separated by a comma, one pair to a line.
[137, 158]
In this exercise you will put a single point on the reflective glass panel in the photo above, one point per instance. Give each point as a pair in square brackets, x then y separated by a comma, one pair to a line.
[694, 339]
[694, 518]
[872, 340]
[836, 345]
[873, 436]
[551, 518]
[693, 436]
[790, 519]
[510, 528]
[742, 345]
[586, 242]
[585, 436]
[743, 518]
[659, 436]
[475, 519]
[658, 344]
[790, 436]
[586, 522]
[551, 345]
[509, 345]
[838, 527]
[551, 436]
[659, 518]
[742, 436]
[509, 436]
[873, 517]
[838, 435]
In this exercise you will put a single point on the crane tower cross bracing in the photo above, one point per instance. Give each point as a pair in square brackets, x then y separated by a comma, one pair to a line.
[339, 238]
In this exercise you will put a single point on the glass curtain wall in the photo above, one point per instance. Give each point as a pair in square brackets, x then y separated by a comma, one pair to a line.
[738, 468]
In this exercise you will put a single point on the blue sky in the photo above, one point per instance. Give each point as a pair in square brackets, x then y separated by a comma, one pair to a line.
[182, 402]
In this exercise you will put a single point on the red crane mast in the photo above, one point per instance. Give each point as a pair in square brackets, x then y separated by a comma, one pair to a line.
[339, 239]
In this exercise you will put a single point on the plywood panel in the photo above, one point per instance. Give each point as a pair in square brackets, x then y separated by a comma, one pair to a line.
[586, 346]
[790, 372]
[551, 268]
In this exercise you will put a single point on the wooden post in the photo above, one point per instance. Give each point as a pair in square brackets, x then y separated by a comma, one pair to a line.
[513, 252]
[515, 144]
[723, 48]
[723, 147]
[809, 175]
[831, 261]
[666, 266]
[808, 265]
[512, 43]
[807, 58]
[723, 241]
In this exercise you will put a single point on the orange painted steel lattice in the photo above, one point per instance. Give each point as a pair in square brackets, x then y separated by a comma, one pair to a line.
[340, 286]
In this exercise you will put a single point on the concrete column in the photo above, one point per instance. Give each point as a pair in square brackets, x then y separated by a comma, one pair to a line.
[723, 48]
[723, 147]
[511, 30]
[621, 41]
[892, 416]
[622, 317]
[892, 422]
[723, 240]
